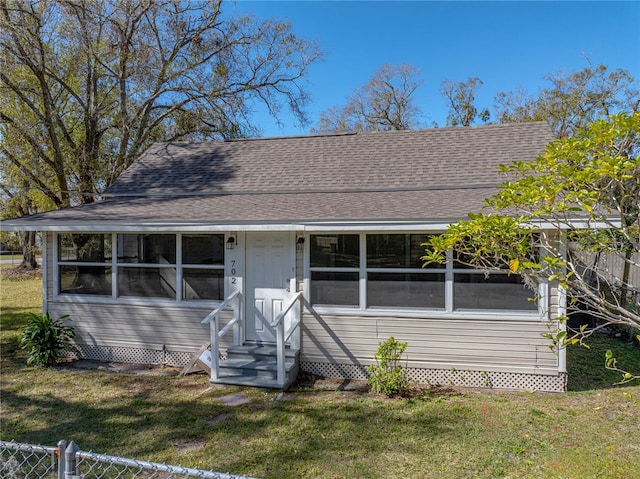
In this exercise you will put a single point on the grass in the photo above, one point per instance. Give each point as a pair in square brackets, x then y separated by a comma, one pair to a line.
[590, 432]
[18, 255]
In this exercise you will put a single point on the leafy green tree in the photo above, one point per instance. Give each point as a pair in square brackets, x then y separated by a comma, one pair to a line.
[460, 98]
[17, 196]
[571, 218]
[384, 103]
[570, 101]
[85, 87]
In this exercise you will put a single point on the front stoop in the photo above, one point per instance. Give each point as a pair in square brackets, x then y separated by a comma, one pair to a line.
[256, 365]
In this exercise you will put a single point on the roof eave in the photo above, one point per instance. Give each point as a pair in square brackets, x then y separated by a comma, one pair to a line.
[297, 225]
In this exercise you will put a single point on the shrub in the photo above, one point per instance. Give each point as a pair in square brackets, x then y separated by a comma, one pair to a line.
[388, 376]
[45, 338]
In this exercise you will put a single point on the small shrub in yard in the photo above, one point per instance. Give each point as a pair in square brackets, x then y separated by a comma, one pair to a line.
[388, 376]
[45, 338]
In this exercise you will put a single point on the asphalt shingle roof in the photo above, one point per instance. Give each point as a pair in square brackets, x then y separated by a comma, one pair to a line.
[438, 174]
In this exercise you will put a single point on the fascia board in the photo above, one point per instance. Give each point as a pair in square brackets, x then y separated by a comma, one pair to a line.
[384, 225]
[143, 227]
[577, 224]
[24, 224]
[378, 226]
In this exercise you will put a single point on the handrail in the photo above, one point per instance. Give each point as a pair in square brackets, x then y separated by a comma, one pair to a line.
[292, 329]
[281, 337]
[215, 335]
[223, 305]
[226, 329]
[284, 312]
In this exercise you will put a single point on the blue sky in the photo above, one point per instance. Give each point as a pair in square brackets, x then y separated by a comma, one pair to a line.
[505, 44]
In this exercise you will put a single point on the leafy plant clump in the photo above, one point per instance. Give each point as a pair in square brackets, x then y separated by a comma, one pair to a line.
[45, 338]
[388, 376]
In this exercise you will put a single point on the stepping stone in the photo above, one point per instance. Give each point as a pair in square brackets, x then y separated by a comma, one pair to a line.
[236, 399]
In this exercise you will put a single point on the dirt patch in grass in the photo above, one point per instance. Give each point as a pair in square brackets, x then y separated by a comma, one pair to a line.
[330, 384]
[220, 418]
[128, 368]
[188, 446]
[19, 274]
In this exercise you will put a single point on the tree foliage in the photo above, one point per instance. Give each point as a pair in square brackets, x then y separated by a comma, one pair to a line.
[384, 103]
[85, 87]
[583, 192]
[460, 97]
[570, 101]
[17, 197]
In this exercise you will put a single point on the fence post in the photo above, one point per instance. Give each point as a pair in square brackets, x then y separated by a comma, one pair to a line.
[60, 453]
[71, 466]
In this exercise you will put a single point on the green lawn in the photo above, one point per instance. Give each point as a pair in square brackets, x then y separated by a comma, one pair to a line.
[591, 432]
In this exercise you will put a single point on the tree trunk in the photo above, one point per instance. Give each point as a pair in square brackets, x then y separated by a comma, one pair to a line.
[29, 252]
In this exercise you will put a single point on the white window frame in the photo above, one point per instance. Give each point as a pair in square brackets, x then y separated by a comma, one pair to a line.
[362, 279]
[132, 266]
[541, 313]
[425, 271]
[116, 266]
[209, 267]
[57, 294]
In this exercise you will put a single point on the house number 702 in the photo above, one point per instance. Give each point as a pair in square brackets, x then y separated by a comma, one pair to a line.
[234, 280]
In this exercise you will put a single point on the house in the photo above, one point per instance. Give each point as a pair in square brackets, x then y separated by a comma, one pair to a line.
[301, 254]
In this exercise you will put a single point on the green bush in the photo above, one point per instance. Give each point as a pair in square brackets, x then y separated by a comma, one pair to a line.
[45, 338]
[388, 376]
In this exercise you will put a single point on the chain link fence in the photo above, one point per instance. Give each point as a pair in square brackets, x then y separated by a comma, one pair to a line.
[25, 461]
[28, 461]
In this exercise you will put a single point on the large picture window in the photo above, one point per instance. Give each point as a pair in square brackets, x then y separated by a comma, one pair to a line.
[169, 266]
[385, 271]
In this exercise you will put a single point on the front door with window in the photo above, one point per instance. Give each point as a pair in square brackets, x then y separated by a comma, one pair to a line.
[269, 269]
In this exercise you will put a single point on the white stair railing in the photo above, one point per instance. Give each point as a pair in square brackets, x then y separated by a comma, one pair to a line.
[283, 336]
[216, 334]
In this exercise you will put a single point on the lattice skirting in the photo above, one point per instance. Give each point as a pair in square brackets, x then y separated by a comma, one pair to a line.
[436, 377]
[129, 355]
[448, 377]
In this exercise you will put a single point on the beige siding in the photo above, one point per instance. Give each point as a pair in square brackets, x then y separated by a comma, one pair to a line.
[154, 327]
[553, 240]
[50, 265]
[300, 269]
[554, 295]
[491, 345]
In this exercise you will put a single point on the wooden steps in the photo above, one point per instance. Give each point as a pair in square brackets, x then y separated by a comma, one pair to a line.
[254, 364]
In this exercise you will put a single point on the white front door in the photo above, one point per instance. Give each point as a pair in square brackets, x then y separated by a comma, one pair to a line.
[269, 269]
